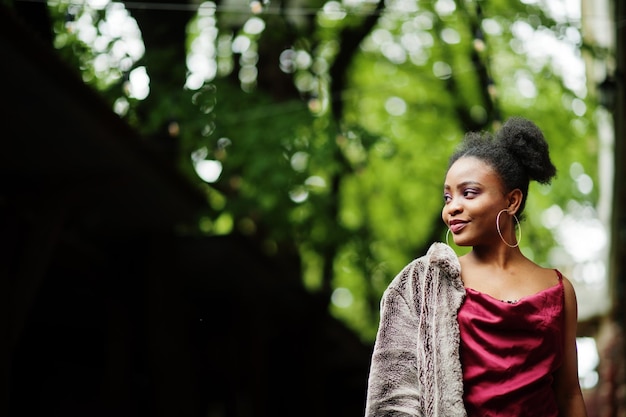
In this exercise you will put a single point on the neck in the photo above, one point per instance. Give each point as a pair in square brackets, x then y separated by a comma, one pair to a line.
[500, 256]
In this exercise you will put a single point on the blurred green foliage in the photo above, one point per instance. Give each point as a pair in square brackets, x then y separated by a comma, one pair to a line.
[340, 156]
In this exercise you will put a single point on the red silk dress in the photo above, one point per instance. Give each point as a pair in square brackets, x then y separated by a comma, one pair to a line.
[509, 351]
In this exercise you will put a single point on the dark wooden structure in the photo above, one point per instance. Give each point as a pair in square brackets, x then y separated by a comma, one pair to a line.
[110, 311]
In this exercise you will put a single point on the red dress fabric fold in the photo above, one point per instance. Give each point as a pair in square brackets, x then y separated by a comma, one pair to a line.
[509, 352]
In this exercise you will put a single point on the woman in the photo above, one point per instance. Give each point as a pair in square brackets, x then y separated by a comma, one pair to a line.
[489, 333]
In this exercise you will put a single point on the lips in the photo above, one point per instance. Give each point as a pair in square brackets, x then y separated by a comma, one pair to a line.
[457, 225]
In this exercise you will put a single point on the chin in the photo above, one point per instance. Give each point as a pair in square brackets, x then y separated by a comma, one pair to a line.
[463, 243]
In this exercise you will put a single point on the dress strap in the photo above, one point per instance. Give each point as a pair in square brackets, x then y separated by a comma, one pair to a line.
[558, 274]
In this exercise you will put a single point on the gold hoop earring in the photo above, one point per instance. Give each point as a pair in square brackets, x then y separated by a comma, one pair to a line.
[447, 234]
[519, 227]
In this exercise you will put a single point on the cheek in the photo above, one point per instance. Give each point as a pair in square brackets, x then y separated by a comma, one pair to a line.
[489, 217]
[483, 213]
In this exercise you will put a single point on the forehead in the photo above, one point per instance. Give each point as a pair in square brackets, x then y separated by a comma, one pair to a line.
[471, 169]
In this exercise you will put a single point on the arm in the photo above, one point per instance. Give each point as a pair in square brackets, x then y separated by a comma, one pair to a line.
[393, 384]
[567, 387]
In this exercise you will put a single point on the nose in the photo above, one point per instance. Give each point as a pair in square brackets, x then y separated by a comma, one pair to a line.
[453, 207]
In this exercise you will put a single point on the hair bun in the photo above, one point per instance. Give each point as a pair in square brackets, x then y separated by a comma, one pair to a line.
[523, 139]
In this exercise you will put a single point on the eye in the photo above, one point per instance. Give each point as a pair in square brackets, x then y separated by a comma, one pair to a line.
[446, 197]
[470, 192]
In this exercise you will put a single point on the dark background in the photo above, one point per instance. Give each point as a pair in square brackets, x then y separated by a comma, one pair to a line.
[109, 311]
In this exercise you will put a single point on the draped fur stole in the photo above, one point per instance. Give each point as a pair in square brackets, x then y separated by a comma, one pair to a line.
[416, 368]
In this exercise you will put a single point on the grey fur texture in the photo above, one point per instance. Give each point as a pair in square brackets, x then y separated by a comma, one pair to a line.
[416, 368]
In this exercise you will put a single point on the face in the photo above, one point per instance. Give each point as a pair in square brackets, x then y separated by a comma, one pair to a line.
[473, 196]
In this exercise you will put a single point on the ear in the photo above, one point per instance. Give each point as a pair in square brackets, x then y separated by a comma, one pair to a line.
[514, 199]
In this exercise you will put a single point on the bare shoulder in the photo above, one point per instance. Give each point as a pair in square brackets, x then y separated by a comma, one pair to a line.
[550, 275]
[544, 276]
[570, 292]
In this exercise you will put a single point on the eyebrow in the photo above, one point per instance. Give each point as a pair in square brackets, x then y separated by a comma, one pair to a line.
[463, 184]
